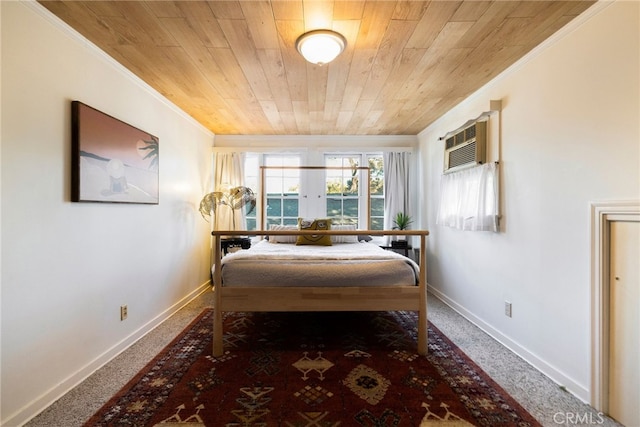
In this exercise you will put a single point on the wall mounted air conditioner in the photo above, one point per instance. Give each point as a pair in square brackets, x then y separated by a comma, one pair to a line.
[466, 148]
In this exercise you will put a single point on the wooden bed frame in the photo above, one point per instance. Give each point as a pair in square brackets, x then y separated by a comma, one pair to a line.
[348, 298]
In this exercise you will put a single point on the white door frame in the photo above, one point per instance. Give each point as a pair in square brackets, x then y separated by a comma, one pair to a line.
[602, 213]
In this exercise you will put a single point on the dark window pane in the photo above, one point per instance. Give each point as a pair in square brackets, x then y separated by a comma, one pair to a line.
[350, 207]
[377, 207]
[334, 207]
[377, 223]
[274, 207]
[290, 207]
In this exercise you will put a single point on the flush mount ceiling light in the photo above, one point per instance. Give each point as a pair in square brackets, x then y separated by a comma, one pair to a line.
[320, 46]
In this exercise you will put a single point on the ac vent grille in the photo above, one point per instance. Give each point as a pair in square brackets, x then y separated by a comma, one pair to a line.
[463, 156]
[466, 148]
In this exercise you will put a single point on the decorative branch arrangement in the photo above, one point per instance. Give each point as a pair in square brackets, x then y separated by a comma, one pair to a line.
[235, 198]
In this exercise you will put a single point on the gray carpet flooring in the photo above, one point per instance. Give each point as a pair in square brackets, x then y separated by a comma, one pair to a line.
[543, 398]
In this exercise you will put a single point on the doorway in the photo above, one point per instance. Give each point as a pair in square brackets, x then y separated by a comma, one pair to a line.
[624, 322]
[616, 321]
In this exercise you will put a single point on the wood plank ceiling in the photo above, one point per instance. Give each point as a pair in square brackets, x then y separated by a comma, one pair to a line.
[233, 65]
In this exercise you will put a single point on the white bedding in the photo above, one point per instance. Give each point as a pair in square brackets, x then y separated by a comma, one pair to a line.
[361, 250]
[342, 264]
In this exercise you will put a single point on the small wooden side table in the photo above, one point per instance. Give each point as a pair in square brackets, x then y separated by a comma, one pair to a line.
[401, 249]
[234, 242]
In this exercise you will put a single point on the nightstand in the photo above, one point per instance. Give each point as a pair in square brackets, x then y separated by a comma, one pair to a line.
[401, 248]
[234, 242]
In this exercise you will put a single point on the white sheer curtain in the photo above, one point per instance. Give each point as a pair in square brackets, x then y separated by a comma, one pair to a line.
[397, 187]
[228, 173]
[469, 199]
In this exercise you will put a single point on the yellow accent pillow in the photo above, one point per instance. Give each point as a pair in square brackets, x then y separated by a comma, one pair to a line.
[314, 224]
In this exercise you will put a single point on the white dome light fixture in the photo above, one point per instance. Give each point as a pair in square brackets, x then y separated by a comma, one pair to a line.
[321, 46]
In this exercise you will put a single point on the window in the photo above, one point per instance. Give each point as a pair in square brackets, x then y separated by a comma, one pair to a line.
[283, 190]
[345, 197]
[469, 199]
[376, 173]
[343, 189]
[294, 192]
[282, 187]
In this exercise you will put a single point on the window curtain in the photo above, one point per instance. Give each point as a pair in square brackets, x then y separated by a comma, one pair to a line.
[469, 199]
[228, 173]
[397, 188]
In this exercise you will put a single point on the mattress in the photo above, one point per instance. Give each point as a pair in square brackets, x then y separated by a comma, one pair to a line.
[339, 265]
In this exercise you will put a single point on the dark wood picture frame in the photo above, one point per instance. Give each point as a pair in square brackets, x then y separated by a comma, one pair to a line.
[111, 161]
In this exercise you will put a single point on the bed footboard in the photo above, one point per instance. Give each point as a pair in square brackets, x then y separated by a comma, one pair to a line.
[348, 298]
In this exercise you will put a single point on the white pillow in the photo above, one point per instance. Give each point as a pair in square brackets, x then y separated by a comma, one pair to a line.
[344, 239]
[283, 239]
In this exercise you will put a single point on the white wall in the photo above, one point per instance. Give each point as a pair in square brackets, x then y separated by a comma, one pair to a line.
[67, 267]
[570, 136]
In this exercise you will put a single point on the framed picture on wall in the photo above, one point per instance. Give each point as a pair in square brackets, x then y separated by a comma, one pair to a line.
[111, 161]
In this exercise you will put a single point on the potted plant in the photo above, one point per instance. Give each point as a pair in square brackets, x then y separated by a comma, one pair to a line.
[402, 222]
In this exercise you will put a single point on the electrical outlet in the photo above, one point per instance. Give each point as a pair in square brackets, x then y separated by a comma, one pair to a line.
[124, 311]
[507, 308]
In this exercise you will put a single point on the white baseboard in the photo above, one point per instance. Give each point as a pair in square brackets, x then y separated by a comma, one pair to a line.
[572, 386]
[42, 402]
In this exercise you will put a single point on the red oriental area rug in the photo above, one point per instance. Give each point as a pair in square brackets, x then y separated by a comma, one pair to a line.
[311, 369]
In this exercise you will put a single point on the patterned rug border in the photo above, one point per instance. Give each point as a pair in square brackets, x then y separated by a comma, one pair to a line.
[485, 377]
[207, 312]
[403, 318]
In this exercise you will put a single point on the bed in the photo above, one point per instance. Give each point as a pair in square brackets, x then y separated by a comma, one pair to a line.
[272, 277]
